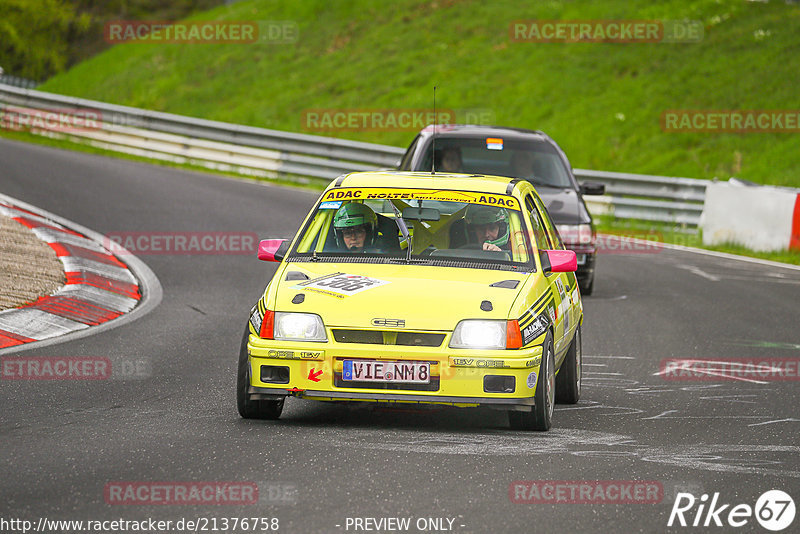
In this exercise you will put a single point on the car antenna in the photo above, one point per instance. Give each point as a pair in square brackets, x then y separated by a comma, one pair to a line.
[433, 150]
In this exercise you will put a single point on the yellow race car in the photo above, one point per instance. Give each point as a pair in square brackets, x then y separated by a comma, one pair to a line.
[412, 287]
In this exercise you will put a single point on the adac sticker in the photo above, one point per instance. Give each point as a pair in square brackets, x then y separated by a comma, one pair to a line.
[531, 381]
[341, 285]
[335, 205]
[344, 194]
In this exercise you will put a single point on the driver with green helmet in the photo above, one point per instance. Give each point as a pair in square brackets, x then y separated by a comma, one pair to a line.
[488, 226]
[355, 227]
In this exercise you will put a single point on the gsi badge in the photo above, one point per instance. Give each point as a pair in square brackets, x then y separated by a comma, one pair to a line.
[390, 323]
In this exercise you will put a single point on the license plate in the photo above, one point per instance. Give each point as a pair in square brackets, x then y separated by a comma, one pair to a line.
[380, 371]
[581, 259]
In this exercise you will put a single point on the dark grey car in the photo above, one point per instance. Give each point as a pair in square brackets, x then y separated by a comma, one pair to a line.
[518, 153]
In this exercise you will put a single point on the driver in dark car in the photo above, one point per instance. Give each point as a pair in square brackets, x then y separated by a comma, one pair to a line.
[450, 160]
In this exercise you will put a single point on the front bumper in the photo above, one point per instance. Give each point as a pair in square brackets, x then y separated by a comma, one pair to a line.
[457, 377]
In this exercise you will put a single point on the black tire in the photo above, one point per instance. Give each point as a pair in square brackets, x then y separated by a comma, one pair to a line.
[541, 416]
[587, 286]
[252, 409]
[568, 380]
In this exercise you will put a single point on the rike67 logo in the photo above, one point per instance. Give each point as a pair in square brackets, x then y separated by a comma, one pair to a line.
[774, 510]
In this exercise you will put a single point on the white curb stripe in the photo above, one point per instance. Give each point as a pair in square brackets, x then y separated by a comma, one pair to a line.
[11, 212]
[37, 324]
[54, 236]
[75, 264]
[98, 297]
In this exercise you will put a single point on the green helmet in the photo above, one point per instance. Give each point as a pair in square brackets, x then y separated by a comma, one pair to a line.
[354, 214]
[478, 214]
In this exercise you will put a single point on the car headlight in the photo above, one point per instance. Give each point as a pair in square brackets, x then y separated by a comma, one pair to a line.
[576, 234]
[479, 334]
[299, 327]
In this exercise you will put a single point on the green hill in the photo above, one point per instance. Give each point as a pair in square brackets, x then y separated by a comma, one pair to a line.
[601, 101]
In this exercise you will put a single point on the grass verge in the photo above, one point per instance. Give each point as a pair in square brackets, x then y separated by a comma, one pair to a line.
[603, 102]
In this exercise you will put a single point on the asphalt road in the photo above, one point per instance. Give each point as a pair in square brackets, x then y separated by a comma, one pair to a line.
[62, 442]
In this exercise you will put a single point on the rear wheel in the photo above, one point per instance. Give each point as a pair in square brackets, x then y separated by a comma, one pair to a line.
[252, 409]
[541, 416]
[568, 381]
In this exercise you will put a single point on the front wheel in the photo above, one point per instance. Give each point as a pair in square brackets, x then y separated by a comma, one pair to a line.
[541, 416]
[252, 409]
[568, 381]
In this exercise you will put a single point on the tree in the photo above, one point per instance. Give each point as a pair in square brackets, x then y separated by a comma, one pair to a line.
[35, 36]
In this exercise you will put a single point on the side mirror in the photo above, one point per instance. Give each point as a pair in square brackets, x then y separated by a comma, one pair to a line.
[559, 261]
[273, 249]
[593, 188]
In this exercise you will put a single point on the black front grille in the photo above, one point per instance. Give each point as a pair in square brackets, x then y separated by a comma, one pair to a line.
[358, 336]
[377, 337]
[414, 339]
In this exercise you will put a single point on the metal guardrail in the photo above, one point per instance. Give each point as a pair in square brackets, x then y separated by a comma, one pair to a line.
[16, 81]
[652, 198]
[191, 140]
[300, 157]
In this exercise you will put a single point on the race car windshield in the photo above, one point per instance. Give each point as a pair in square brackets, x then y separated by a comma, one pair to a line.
[536, 162]
[440, 232]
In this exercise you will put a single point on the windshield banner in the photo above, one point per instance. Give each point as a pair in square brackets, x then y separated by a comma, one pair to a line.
[379, 193]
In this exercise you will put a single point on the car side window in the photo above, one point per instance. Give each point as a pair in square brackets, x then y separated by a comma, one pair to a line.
[405, 163]
[539, 230]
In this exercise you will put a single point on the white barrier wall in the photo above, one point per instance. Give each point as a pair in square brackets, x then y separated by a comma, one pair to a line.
[760, 218]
